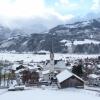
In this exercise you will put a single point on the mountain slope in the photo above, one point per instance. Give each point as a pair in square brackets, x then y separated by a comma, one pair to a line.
[78, 30]
[79, 37]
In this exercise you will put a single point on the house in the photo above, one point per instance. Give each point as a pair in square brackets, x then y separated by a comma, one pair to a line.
[94, 80]
[67, 79]
[48, 76]
[28, 75]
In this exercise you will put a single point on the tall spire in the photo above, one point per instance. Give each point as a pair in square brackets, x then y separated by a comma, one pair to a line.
[51, 49]
[51, 56]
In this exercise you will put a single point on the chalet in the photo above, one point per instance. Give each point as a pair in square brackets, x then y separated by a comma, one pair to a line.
[67, 79]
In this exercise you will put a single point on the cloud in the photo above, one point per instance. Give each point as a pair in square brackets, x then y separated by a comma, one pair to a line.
[26, 9]
[21, 8]
[96, 6]
[18, 13]
[67, 4]
[29, 14]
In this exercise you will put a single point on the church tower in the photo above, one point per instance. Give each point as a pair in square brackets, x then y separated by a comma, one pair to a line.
[51, 58]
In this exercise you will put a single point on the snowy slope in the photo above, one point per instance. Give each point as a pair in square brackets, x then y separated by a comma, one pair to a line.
[6, 44]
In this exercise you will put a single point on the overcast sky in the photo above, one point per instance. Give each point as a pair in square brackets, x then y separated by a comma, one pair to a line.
[46, 12]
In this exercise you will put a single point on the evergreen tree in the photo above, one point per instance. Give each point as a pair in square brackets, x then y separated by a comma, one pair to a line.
[77, 69]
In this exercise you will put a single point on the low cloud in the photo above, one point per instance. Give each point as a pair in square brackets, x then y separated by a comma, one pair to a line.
[18, 13]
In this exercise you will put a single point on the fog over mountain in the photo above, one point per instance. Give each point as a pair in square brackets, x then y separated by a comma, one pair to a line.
[40, 15]
[39, 25]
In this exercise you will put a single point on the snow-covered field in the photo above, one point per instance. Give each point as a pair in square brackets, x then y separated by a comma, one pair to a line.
[76, 42]
[48, 94]
[35, 57]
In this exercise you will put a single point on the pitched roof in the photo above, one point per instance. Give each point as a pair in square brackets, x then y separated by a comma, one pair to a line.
[93, 76]
[65, 75]
[45, 72]
[57, 64]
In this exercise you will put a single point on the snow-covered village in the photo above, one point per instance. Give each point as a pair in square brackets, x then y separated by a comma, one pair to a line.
[50, 75]
[49, 49]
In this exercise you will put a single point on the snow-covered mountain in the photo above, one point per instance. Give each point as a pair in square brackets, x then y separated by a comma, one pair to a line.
[78, 37]
[83, 29]
[4, 32]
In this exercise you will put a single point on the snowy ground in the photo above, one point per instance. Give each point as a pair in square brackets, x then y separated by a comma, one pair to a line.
[48, 94]
[36, 57]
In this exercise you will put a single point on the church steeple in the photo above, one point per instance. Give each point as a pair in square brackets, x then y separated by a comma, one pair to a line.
[52, 61]
[52, 57]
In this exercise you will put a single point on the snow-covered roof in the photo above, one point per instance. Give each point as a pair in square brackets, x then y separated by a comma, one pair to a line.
[43, 51]
[98, 65]
[30, 67]
[60, 64]
[33, 67]
[80, 42]
[93, 76]
[86, 41]
[63, 41]
[45, 72]
[14, 66]
[57, 64]
[18, 71]
[65, 75]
